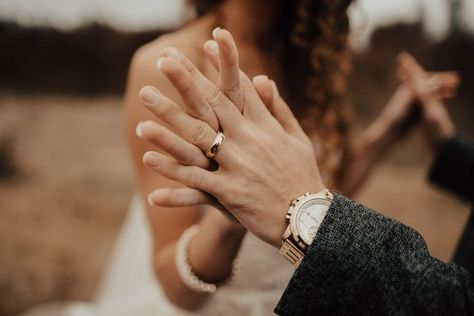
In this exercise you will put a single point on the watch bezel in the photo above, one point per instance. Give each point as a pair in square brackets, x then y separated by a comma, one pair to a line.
[296, 206]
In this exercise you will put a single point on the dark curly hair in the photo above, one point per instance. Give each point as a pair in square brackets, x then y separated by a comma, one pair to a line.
[311, 43]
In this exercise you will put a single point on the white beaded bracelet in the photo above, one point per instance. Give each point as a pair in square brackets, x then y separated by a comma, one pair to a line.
[185, 271]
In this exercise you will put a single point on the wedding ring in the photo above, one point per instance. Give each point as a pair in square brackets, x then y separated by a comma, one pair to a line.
[212, 151]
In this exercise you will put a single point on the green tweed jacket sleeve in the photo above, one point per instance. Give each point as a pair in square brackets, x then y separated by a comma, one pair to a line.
[362, 263]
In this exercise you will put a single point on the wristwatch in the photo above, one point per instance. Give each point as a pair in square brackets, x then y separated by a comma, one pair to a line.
[304, 217]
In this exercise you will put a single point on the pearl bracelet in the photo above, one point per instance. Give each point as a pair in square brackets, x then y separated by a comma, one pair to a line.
[185, 271]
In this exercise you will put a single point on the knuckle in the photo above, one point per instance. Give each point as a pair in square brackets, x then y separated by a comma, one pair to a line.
[199, 135]
[235, 188]
[189, 161]
[166, 110]
[195, 159]
[232, 62]
[234, 87]
[215, 97]
[246, 85]
[193, 71]
[204, 114]
[194, 179]
[186, 88]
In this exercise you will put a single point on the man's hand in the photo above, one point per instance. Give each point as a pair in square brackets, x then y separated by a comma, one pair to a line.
[265, 161]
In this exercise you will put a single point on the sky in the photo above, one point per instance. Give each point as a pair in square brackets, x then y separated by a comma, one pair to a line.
[137, 15]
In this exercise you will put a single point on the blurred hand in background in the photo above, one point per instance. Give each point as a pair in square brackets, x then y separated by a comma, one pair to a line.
[430, 91]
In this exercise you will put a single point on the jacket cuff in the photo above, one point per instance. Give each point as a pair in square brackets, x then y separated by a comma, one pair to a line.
[453, 168]
[338, 262]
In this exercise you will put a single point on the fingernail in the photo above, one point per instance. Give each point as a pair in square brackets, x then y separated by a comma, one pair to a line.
[259, 78]
[150, 159]
[212, 47]
[150, 200]
[159, 62]
[139, 130]
[149, 95]
[173, 53]
[214, 32]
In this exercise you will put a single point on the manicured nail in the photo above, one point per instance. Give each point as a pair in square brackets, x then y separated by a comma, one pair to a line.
[173, 53]
[150, 159]
[159, 62]
[212, 47]
[150, 200]
[149, 95]
[259, 79]
[214, 32]
[139, 130]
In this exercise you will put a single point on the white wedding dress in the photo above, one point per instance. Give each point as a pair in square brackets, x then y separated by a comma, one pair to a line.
[129, 287]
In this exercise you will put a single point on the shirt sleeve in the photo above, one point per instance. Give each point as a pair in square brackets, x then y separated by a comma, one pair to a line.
[453, 168]
[362, 263]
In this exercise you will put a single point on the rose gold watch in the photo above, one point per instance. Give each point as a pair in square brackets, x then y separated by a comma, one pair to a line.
[304, 217]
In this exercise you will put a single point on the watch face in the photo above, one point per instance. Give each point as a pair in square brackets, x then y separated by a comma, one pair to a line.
[309, 218]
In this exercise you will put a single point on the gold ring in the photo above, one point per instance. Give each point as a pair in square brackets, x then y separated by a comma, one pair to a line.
[212, 151]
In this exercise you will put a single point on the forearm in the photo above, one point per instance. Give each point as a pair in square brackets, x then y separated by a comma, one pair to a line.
[211, 255]
[364, 263]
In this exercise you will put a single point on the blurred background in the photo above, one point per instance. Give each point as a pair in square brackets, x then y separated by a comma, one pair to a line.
[65, 175]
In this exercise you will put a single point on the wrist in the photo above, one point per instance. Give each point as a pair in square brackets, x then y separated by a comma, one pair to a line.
[213, 249]
[225, 229]
[280, 223]
[304, 219]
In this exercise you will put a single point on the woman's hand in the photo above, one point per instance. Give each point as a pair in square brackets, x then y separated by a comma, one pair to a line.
[264, 163]
[430, 91]
[418, 86]
[405, 109]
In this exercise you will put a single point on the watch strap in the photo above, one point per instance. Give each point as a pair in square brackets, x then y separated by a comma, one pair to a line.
[291, 252]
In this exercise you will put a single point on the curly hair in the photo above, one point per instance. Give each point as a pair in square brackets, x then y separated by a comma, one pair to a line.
[311, 42]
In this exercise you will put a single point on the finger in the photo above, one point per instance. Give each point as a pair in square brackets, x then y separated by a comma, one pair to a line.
[191, 176]
[184, 75]
[280, 110]
[181, 197]
[437, 85]
[168, 142]
[450, 78]
[449, 83]
[192, 130]
[229, 70]
[411, 67]
[194, 102]
[251, 103]
[185, 197]
[265, 90]
[211, 49]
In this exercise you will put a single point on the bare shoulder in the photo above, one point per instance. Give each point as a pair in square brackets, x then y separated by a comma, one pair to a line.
[189, 40]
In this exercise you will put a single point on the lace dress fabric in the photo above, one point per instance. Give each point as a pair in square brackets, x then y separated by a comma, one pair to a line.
[130, 288]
